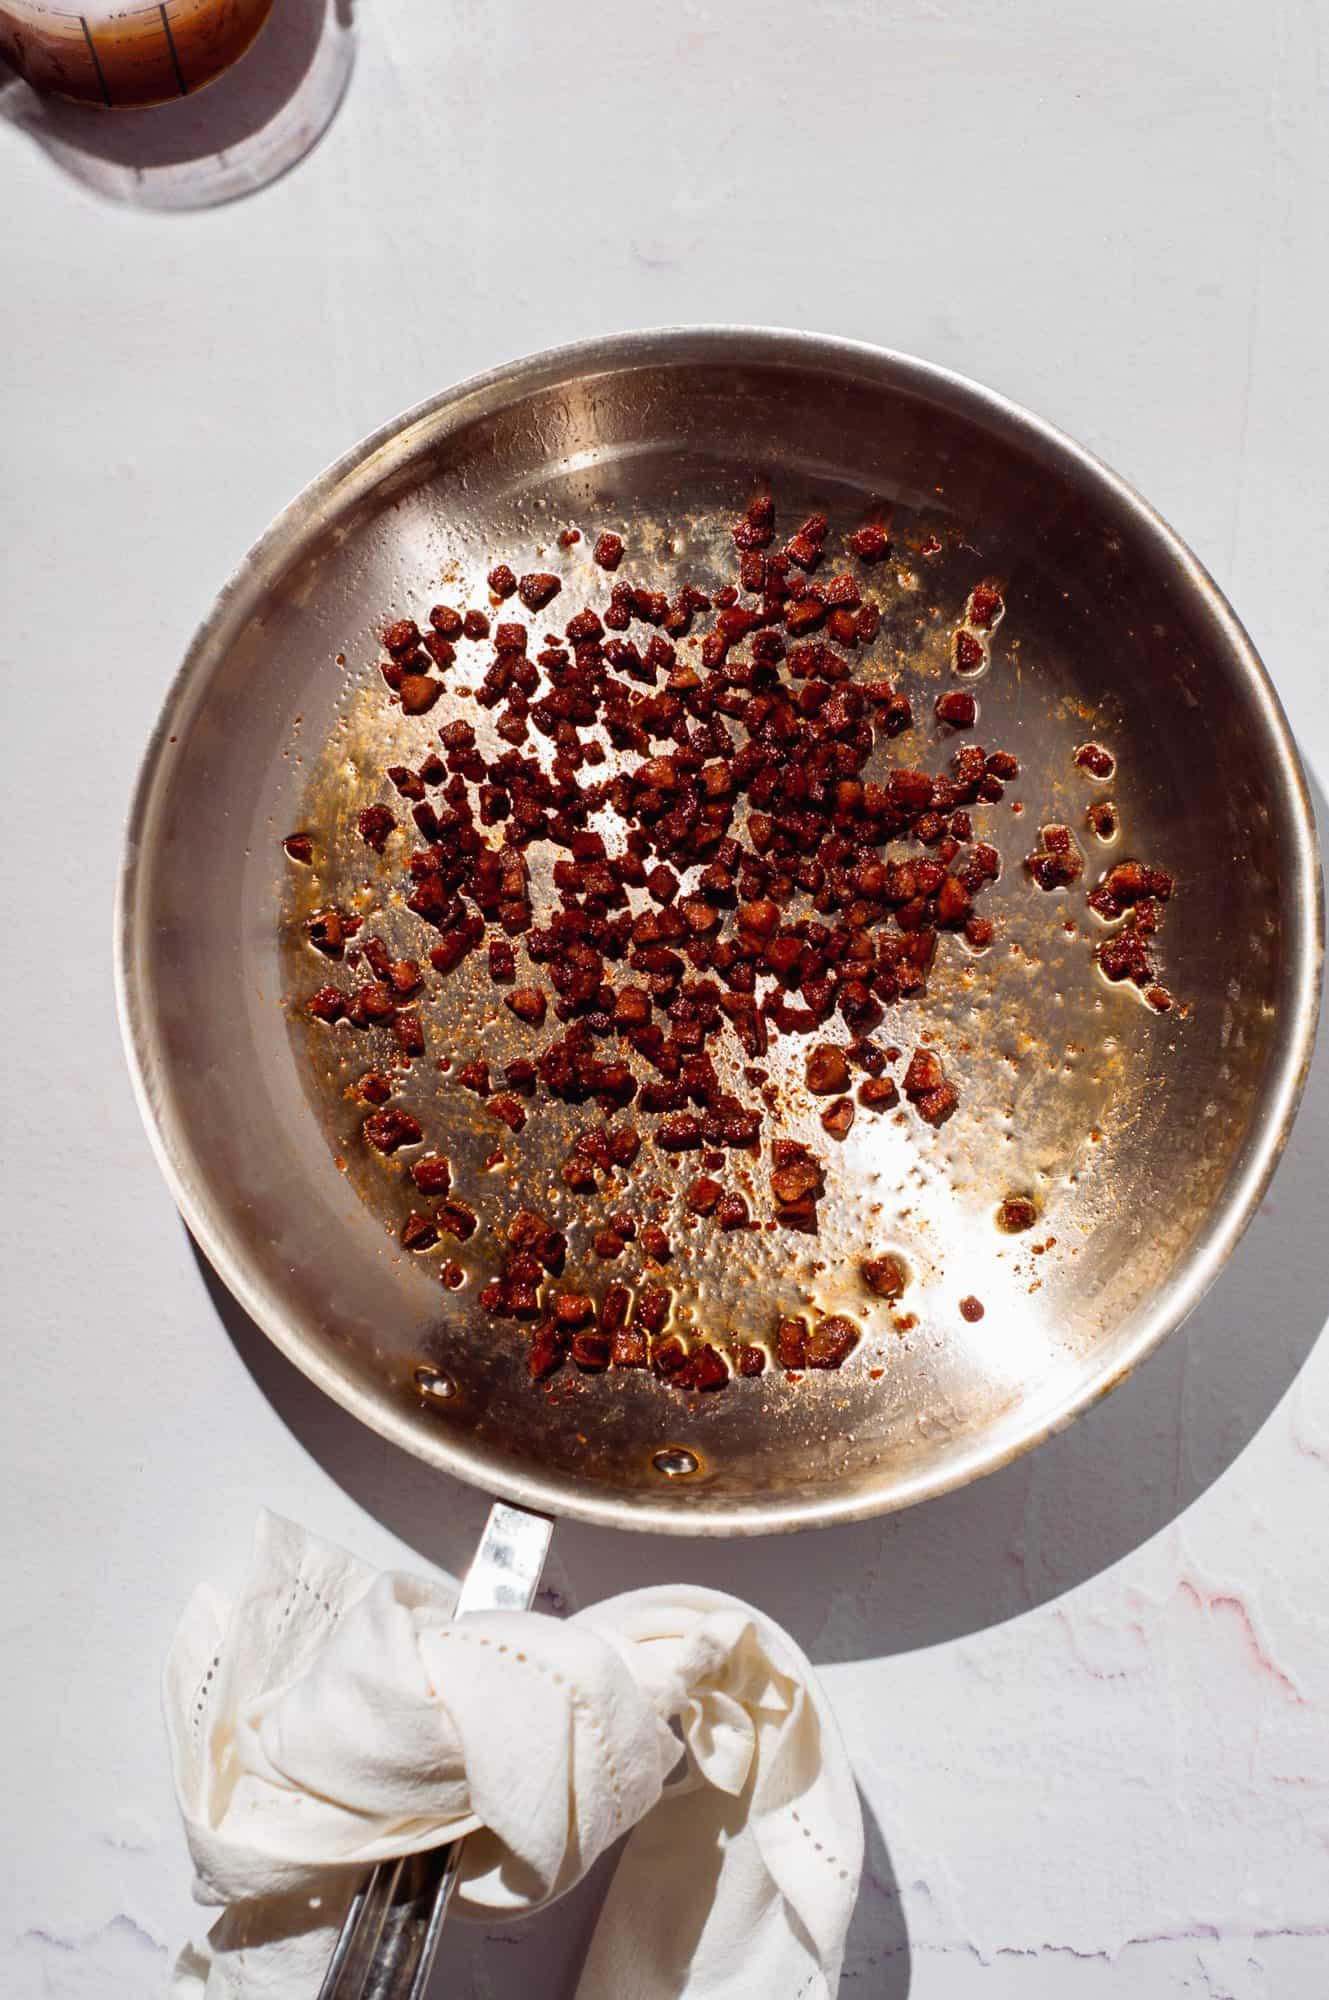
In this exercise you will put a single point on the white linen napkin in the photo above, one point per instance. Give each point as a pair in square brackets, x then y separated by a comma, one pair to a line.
[335, 1716]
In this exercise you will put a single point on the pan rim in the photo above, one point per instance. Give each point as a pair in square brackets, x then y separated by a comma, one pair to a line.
[1290, 1061]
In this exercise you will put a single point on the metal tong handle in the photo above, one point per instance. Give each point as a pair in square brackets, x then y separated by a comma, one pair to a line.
[390, 1933]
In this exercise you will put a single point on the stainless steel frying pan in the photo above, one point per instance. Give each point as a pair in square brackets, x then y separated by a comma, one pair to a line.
[1144, 1140]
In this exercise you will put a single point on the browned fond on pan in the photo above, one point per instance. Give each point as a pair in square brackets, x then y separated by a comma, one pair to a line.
[1145, 1140]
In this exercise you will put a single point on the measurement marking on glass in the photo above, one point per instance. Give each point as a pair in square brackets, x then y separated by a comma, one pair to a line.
[170, 43]
[96, 60]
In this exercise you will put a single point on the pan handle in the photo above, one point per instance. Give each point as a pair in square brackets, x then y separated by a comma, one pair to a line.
[391, 1931]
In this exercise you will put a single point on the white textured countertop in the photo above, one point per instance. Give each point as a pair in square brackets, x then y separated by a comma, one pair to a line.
[1087, 1699]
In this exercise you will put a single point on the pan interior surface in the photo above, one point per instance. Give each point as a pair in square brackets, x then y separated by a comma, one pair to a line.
[1142, 1139]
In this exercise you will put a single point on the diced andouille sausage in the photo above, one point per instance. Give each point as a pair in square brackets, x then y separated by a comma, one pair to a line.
[629, 1347]
[590, 1350]
[372, 1000]
[831, 1342]
[409, 1034]
[403, 636]
[652, 1308]
[387, 1130]
[826, 1071]
[704, 1370]
[804, 616]
[1059, 862]
[528, 1003]
[624, 1143]
[573, 1308]
[615, 1306]
[805, 548]
[608, 551]
[1126, 956]
[537, 588]
[418, 1231]
[924, 1073]
[1128, 883]
[431, 1174]
[1016, 1213]
[797, 1182]
[299, 846]
[679, 1132]
[375, 823]
[838, 1117]
[519, 1075]
[669, 1357]
[418, 693]
[957, 709]
[502, 580]
[869, 543]
[547, 1352]
[791, 1337]
[934, 1107]
[985, 605]
[456, 1219]
[887, 1276]
[967, 653]
[756, 530]
[327, 932]
[409, 783]
[971, 1309]
[1092, 757]
[928, 1089]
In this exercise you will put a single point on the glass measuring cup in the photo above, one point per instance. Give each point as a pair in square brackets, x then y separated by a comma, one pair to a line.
[122, 56]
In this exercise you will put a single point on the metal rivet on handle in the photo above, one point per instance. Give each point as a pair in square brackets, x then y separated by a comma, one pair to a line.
[434, 1385]
[676, 1461]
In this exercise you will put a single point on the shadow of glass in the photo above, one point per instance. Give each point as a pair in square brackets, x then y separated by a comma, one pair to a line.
[241, 133]
[1029, 1533]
